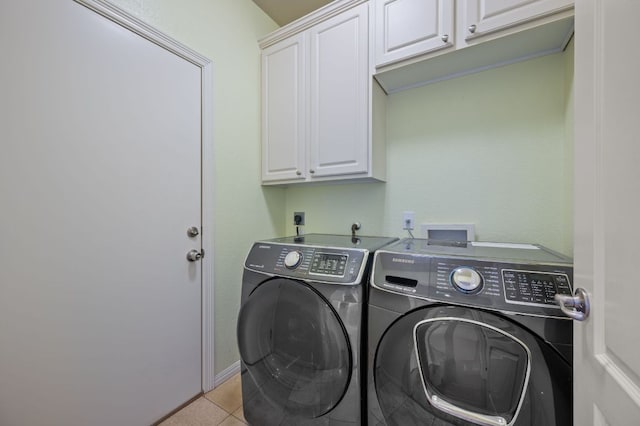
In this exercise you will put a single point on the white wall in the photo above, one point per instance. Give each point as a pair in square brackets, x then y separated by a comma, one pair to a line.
[226, 31]
[492, 149]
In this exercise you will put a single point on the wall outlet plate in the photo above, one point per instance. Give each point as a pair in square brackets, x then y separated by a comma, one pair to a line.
[298, 218]
[408, 220]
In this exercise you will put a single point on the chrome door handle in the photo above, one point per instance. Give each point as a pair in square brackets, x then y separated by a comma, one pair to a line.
[576, 306]
[194, 255]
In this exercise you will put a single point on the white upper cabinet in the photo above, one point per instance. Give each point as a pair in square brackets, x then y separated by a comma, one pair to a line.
[410, 36]
[407, 28]
[481, 17]
[284, 110]
[317, 99]
[339, 85]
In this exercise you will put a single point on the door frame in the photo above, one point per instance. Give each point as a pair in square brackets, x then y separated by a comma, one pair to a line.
[131, 23]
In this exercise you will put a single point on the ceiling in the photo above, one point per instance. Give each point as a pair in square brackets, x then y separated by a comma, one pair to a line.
[285, 11]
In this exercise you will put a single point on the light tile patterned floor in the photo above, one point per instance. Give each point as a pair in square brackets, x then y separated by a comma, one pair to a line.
[220, 407]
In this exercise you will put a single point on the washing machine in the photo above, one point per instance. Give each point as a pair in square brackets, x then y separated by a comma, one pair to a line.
[300, 330]
[469, 334]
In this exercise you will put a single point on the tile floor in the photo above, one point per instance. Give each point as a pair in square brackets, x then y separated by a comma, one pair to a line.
[222, 406]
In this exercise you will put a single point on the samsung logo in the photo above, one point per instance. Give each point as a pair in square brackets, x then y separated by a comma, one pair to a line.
[251, 265]
[264, 247]
[401, 260]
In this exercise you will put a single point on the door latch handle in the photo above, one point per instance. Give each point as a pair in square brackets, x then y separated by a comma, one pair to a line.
[194, 255]
[576, 306]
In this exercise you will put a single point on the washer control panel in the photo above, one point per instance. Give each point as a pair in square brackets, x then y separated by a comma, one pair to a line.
[513, 287]
[321, 264]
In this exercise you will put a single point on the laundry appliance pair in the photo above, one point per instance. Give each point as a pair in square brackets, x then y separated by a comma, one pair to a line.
[458, 333]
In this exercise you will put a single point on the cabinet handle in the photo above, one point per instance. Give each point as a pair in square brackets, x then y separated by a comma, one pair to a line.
[312, 171]
[445, 38]
[472, 28]
[298, 172]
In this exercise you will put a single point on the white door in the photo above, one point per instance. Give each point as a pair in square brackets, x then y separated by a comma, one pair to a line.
[607, 208]
[100, 139]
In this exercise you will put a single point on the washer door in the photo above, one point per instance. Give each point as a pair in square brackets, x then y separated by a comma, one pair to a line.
[468, 367]
[295, 348]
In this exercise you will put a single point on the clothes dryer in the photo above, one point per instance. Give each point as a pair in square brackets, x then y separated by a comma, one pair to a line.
[300, 329]
[469, 334]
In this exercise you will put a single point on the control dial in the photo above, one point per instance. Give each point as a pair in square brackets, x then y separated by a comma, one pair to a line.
[292, 259]
[466, 279]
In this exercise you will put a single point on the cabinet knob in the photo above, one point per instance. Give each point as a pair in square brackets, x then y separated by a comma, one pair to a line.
[298, 172]
[312, 171]
[445, 38]
[472, 28]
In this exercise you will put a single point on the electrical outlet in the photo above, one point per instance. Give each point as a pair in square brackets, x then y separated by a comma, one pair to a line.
[298, 218]
[408, 220]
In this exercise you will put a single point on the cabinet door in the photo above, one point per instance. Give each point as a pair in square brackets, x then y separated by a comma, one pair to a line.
[406, 28]
[339, 87]
[481, 17]
[283, 110]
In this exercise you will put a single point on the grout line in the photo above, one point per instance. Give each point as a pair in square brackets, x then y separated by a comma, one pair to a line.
[244, 422]
[222, 421]
[208, 400]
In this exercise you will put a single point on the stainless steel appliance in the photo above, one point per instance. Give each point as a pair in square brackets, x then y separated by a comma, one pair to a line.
[467, 334]
[300, 329]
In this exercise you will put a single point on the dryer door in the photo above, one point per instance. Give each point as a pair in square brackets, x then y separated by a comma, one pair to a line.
[295, 349]
[465, 366]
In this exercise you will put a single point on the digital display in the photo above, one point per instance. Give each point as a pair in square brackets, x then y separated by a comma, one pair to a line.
[329, 264]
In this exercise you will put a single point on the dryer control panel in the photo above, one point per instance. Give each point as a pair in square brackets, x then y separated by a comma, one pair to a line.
[310, 263]
[509, 285]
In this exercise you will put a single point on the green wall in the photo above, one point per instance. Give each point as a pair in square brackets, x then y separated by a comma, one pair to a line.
[226, 31]
[493, 149]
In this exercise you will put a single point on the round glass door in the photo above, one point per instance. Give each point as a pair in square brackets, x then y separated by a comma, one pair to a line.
[471, 370]
[295, 347]
[459, 366]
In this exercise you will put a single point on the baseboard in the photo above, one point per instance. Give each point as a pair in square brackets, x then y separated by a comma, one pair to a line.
[226, 374]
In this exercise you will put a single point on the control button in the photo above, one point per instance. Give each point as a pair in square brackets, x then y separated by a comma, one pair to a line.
[466, 279]
[292, 259]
